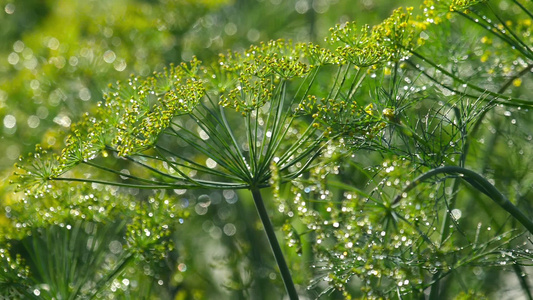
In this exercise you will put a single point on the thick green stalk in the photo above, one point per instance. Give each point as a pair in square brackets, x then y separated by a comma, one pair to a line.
[276, 249]
[481, 184]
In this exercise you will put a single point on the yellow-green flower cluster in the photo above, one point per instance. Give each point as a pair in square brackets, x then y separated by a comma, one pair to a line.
[279, 58]
[86, 140]
[397, 33]
[462, 5]
[276, 58]
[134, 114]
[176, 91]
[250, 93]
[346, 118]
[247, 81]
[357, 46]
[128, 121]
[34, 172]
[435, 11]
[389, 41]
[318, 56]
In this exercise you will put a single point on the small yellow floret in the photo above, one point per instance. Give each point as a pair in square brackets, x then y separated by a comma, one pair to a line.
[486, 40]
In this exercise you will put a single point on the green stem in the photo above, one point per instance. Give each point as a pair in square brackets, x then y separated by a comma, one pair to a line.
[478, 182]
[523, 281]
[435, 287]
[507, 84]
[164, 186]
[276, 249]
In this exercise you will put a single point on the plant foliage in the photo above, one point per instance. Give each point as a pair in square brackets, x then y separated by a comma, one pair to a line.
[378, 153]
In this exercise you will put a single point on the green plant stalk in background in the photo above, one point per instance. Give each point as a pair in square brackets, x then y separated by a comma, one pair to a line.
[478, 182]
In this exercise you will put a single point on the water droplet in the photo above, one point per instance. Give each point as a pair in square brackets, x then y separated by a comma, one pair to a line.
[210, 163]
[9, 8]
[229, 229]
[456, 213]
[109, 56]
[204, 200]
[10, 121]
[182, 267]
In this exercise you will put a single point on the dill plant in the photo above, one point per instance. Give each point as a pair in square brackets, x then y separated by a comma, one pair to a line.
[266, 92]
[137, 115]
[299, 118]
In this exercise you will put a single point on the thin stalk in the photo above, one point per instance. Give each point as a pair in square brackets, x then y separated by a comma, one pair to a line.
[509, 101]
[133, 177]
[276, 249]
[436, 291]
[228, 130]
[511, 32]
[493, 29]
[508, 83]
[361, 74]
[524, 9]
[169, 186]
[342, 81]
[462, 161]
[269, 141]
[220, 157]
[523, 281]
[335, 82]
[192, 166]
